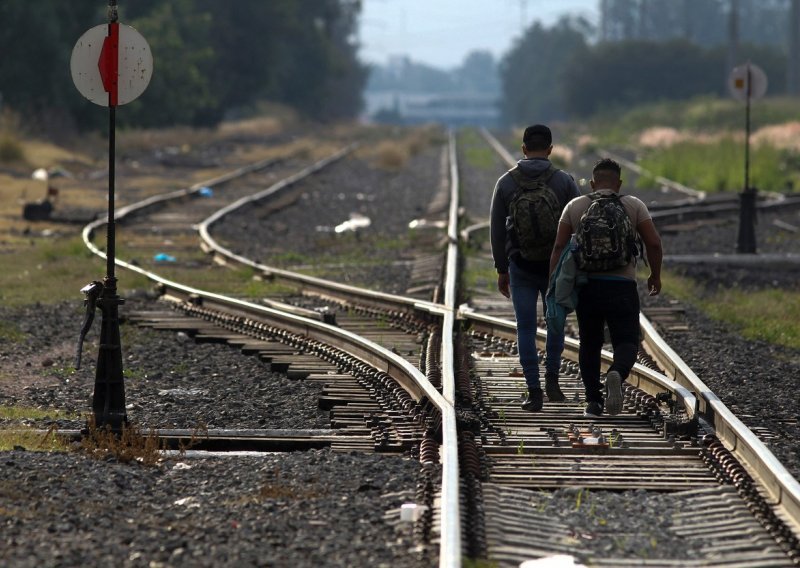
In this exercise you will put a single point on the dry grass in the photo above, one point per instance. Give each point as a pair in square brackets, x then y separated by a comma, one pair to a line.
[393, 154]
[390, 155]
[665, 137]
[562, 155]
[131, 445]
[10, 149]
[784, 136]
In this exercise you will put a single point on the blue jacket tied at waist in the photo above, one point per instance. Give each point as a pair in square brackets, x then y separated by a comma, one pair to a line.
[562, 292]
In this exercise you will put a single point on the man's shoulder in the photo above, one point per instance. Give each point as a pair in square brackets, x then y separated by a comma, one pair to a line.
[575, 207]
[562, 175]
[633, 201]
[631, 198]
[579, 200]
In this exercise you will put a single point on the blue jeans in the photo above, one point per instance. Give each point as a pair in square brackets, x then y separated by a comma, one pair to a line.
[526, 289]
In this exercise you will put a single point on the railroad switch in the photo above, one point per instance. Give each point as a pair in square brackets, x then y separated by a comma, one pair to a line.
[108, 400]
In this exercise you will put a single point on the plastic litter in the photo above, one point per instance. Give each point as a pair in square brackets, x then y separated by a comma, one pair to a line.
[206, 192]
[556, 561]
[163, 257]
[411, 512]
[356, 221]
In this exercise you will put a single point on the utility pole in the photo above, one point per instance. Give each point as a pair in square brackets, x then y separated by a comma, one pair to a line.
[603, 20]
[733, 36]
[793, 57]
[523, 16]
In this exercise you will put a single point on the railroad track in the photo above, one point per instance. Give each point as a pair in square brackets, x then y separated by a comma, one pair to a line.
[398, 371]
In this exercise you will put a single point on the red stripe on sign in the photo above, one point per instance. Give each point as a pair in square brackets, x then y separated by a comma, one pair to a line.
[109, 64]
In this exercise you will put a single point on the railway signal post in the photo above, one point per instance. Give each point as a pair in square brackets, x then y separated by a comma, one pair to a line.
[111, 65]
[746, 83]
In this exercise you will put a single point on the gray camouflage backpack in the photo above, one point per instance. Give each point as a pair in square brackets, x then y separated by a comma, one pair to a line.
[533, 215]
[605, 237]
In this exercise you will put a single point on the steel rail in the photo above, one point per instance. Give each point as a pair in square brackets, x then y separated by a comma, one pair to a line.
[408, 376]
[650, 381]
[781, 486]
[697, 399]
[450, 525]
[450, 541]
[317, 286]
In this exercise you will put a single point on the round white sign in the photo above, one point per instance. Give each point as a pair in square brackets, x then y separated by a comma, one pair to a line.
[739, 78]
[135, 67]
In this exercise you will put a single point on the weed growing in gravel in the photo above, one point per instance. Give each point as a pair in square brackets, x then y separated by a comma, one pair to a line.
[276, 488]
[180, 369]
[133, 374]
[483, 278]
[10, 332]
[129, 446]
[579, 498]
[63, 373]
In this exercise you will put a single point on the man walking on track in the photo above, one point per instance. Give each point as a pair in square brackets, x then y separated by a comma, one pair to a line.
[607, 228]
[525, 209]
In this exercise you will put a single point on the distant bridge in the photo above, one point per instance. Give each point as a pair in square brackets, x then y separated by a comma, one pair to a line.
[452, 109]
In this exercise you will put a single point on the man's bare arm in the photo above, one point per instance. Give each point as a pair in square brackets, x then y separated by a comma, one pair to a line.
[652, 244]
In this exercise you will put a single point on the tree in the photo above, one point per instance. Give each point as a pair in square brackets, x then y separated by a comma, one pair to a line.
[36, 40]
[618, 75]
[478, 73]
[180, 90]
[210, 58]
[530, 74]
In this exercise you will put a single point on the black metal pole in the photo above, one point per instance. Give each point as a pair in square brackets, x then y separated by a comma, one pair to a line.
[746, 242]
[108, 401]
[747, 130]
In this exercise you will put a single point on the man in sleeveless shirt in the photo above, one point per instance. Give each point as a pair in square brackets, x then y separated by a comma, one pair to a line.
[609, 298]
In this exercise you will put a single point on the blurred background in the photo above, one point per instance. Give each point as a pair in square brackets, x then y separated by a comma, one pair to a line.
[495, 63]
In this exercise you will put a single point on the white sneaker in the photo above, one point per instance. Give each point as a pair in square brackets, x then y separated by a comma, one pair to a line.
[613, 393]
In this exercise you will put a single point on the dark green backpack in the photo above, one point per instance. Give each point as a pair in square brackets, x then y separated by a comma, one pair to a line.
[533, 215]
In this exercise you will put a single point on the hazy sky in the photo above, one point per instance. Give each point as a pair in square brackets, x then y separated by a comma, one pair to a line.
[442, 32]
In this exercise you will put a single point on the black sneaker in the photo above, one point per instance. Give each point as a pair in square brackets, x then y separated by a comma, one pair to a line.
[593, 409]
[552, 389]
[613, 393]
[534, 401]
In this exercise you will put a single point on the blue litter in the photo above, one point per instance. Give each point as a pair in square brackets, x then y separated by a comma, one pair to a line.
[206, 192]
[162, 257]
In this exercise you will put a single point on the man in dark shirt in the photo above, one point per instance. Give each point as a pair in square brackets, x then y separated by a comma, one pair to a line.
[526, 281]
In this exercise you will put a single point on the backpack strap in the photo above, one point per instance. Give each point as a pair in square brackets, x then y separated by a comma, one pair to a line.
[527, 182]
[597, 195]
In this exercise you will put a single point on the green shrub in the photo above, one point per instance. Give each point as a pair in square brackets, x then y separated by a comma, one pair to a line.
[10, 149]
